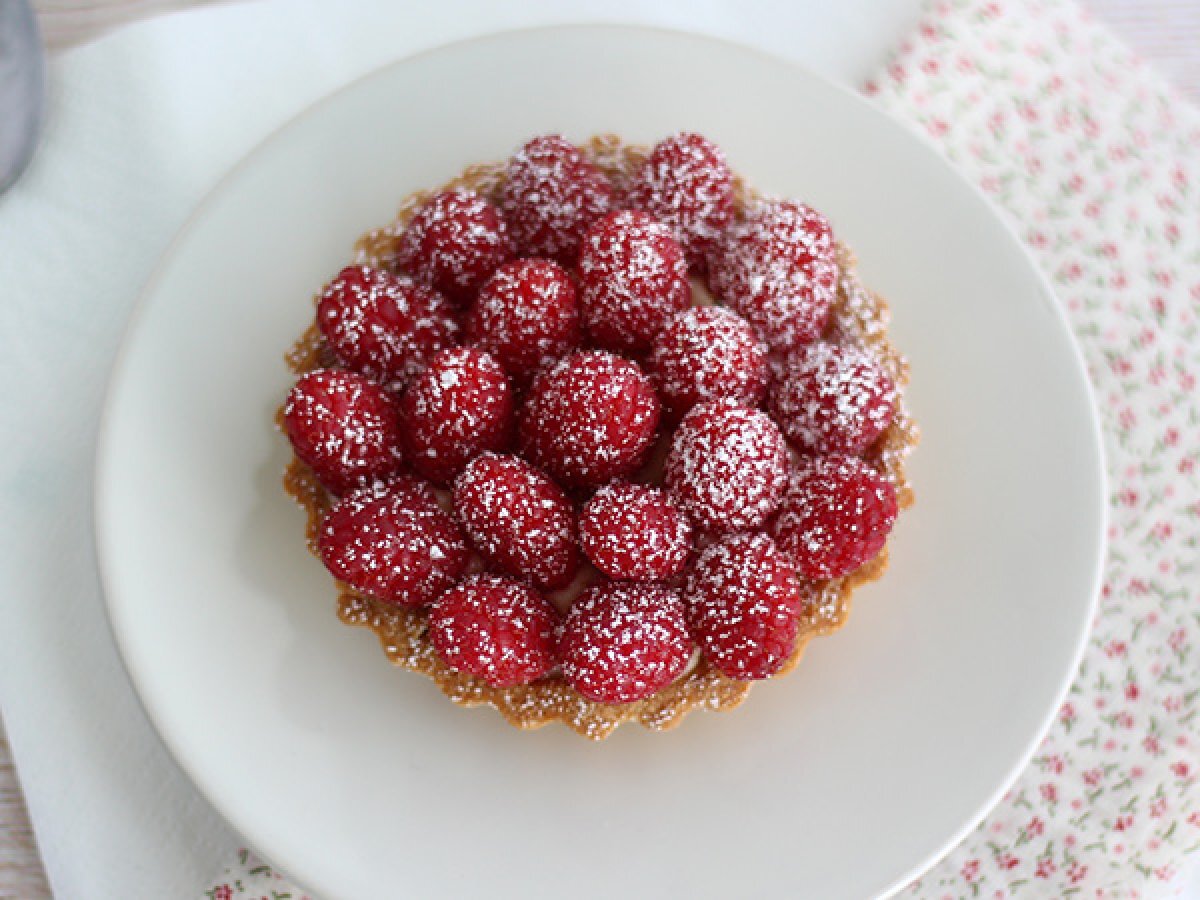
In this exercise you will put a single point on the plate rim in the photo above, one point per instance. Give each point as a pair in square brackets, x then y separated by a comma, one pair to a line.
[103, 467]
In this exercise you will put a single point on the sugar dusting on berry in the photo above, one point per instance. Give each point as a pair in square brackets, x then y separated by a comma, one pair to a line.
[454, 242]
[589, 418]
[392, 541]
[496, 629]
[833, 398]
[633, 277]
[744, 603]
[778, 268]
[623, 642]
[518, 518]
[382, 325]
[836, 516]
[686, 183]
[636, 532]
[344, 426]
[707, 353]
[727, 466]
[460, 406]
[552, 193]
[526, 315]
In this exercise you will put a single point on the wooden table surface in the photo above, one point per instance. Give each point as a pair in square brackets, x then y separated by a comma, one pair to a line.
[1165, 32]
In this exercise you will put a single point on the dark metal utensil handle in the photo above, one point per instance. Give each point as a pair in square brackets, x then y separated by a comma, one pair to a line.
[22, 88]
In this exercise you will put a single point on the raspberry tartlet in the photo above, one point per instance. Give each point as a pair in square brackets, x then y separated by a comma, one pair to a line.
[598, 434]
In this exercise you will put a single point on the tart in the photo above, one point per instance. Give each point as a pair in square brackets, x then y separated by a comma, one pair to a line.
[597, 434]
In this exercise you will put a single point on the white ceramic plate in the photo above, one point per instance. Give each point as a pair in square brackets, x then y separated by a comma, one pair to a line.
[843, 780]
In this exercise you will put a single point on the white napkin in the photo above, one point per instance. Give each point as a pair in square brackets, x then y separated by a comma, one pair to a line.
[140, 126]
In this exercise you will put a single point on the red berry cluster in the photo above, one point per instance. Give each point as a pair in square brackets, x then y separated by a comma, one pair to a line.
[539, 357]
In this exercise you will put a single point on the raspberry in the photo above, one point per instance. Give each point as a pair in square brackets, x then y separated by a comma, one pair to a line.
[836, 516]
[458, 407]
[453, 243]
[779, 269]
[520, 520]
[727, 466]
[590, 418]
[622, 642]
[686, 184]
[706, 353]
[632, 277]
[743, 601]
[344, 427]
[382, 325]
[552, 193]
[635, 532]
[833, 399]
[526, 316]
[497, 629]
[392, 541]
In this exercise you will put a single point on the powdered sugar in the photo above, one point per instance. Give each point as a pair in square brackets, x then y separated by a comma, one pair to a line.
[458, 407]
[344, 426]
[392, 541]
[622, 642]
[454, 242]
[496, 629]
[833, 399]
[686, 184]
[727, 466]
[551, 194]
[518, 518]
[743, 601]
[707, 353]
[633, 277]
[632, 531]
[526, 315]
[590, 418]
[382, 325]
[836, 516]
[777, 268]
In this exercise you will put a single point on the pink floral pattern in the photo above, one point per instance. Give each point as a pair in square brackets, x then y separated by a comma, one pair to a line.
[249, 878]
[1096, 163]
